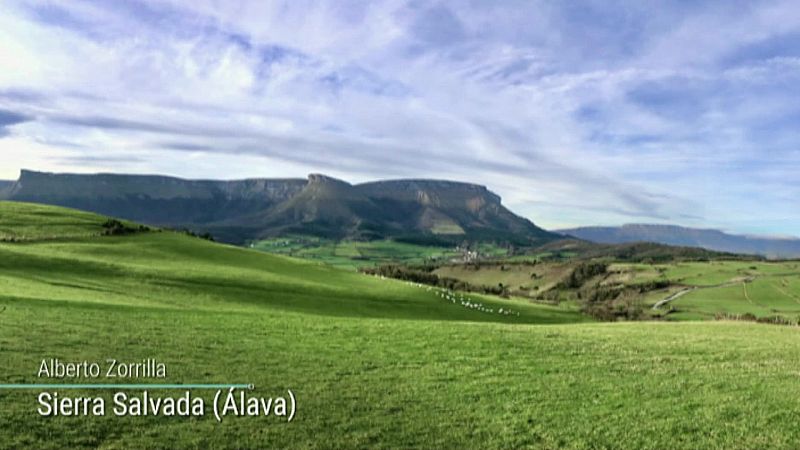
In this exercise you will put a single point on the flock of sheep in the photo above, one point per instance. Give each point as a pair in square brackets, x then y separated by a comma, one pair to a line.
[459, 298]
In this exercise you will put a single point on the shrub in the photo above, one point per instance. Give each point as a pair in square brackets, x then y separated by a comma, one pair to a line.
[425, 276]
[582, 273]
[206, 235]
[113, 227]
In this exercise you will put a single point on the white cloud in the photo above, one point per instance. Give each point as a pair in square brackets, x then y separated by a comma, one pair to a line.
[617, 113]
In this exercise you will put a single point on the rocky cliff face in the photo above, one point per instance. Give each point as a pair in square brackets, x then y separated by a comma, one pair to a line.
[62, 186]
[156, 200]
[242, 210]
[5, 188]
[430, 192]
[448, 204]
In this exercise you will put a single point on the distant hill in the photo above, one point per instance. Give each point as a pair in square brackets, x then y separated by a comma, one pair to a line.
[637, 251]
[241, 210]
[690, 237]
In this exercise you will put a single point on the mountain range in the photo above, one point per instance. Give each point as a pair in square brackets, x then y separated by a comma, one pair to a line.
[5, 186]
[711, 239]
[416, 210]
[238, 211]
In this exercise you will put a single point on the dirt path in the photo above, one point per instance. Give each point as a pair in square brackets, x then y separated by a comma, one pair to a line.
[688, 289]
[674, 296]
[744, 287]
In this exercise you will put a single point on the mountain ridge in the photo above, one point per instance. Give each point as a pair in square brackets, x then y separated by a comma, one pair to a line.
[708, 238]
[5, 185]
[237, 211]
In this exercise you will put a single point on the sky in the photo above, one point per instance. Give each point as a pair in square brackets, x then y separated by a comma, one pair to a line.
[576, 113]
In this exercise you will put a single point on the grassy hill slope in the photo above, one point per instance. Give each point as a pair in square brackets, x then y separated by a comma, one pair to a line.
[680, 290]
[442, 377]
[32, 222]
[173, 270]
[383, 383]
[763, 289]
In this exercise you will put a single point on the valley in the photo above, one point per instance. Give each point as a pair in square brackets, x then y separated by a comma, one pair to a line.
[358, 254]
[683, 288]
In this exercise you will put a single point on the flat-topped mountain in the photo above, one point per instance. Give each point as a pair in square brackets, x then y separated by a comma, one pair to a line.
[241, 210]
[5, 186]
[156, 200]
[690, 237]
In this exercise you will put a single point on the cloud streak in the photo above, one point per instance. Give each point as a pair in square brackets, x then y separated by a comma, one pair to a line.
[10, 118]
[614, 112]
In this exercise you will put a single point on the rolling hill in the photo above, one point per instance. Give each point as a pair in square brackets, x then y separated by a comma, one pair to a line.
[373, 363]
[690, 237]
[75, 243]
[242, 210]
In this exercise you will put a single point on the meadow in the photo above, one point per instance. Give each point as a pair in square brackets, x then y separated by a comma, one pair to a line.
[736, 288]
[374, 363]
[758, 289]
[352, 255]
[31, 222]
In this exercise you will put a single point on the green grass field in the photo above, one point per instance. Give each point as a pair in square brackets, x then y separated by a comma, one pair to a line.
[374, 363]
[519, 277]
[773, 288]
[352, 255]
[31, 222]
[760, 288]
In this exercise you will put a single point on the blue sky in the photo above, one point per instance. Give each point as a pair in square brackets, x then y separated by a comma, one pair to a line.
[576, 113]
